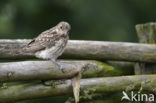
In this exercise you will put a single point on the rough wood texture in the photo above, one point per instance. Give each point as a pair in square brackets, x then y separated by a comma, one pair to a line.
[44, 70]
[146, 34]
[89, 50]
[94, 85]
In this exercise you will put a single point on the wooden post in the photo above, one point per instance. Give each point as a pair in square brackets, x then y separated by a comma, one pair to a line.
[146, 34]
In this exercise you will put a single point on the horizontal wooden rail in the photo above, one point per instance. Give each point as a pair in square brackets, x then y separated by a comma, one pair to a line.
[96, 85]
[78, 49]
[45, 70]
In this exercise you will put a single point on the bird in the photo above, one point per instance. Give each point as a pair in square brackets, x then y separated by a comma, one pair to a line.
[51, 43]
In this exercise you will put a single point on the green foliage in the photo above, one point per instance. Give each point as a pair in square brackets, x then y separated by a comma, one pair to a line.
[91, 20]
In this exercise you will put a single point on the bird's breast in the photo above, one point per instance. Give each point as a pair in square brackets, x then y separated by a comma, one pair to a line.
[54, 51]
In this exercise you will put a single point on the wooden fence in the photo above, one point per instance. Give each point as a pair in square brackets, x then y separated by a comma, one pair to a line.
[106, 67]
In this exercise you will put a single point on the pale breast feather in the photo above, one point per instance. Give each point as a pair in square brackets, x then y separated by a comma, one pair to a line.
[54, 51]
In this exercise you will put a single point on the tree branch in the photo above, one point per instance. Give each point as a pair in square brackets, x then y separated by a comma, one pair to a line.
[96, 85]
[77, 49]
[45, 70]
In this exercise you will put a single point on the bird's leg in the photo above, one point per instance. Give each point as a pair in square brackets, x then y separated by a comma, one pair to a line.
[58, 64]
[53, 82]
[53, 60]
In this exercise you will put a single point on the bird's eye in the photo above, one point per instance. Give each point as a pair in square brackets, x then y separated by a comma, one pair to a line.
[61, 27]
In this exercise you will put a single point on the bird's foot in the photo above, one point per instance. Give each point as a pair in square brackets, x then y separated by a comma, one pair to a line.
[60, 66]
[58, 63]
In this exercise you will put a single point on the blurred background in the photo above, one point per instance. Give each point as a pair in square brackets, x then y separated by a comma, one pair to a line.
[104, 20]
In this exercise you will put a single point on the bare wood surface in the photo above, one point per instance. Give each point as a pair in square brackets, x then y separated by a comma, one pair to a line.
[96, 85]
[44, 70]
[146, 34]
[78, 49]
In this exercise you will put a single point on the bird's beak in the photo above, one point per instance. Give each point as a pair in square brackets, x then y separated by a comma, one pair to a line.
[66, 33]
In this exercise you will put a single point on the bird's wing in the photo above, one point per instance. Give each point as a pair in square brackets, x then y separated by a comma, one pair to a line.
[33, 46]
[41, 42]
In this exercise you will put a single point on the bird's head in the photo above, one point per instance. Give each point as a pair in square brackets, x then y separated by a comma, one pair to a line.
[63, 28]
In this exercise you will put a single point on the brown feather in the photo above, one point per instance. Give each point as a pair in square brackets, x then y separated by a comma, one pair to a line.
[44, 40]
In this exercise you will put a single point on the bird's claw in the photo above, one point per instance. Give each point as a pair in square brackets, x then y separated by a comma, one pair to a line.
[61, 68]
[58, 65]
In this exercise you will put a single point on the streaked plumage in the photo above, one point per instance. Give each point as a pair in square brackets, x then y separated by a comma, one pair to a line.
[51, 43]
